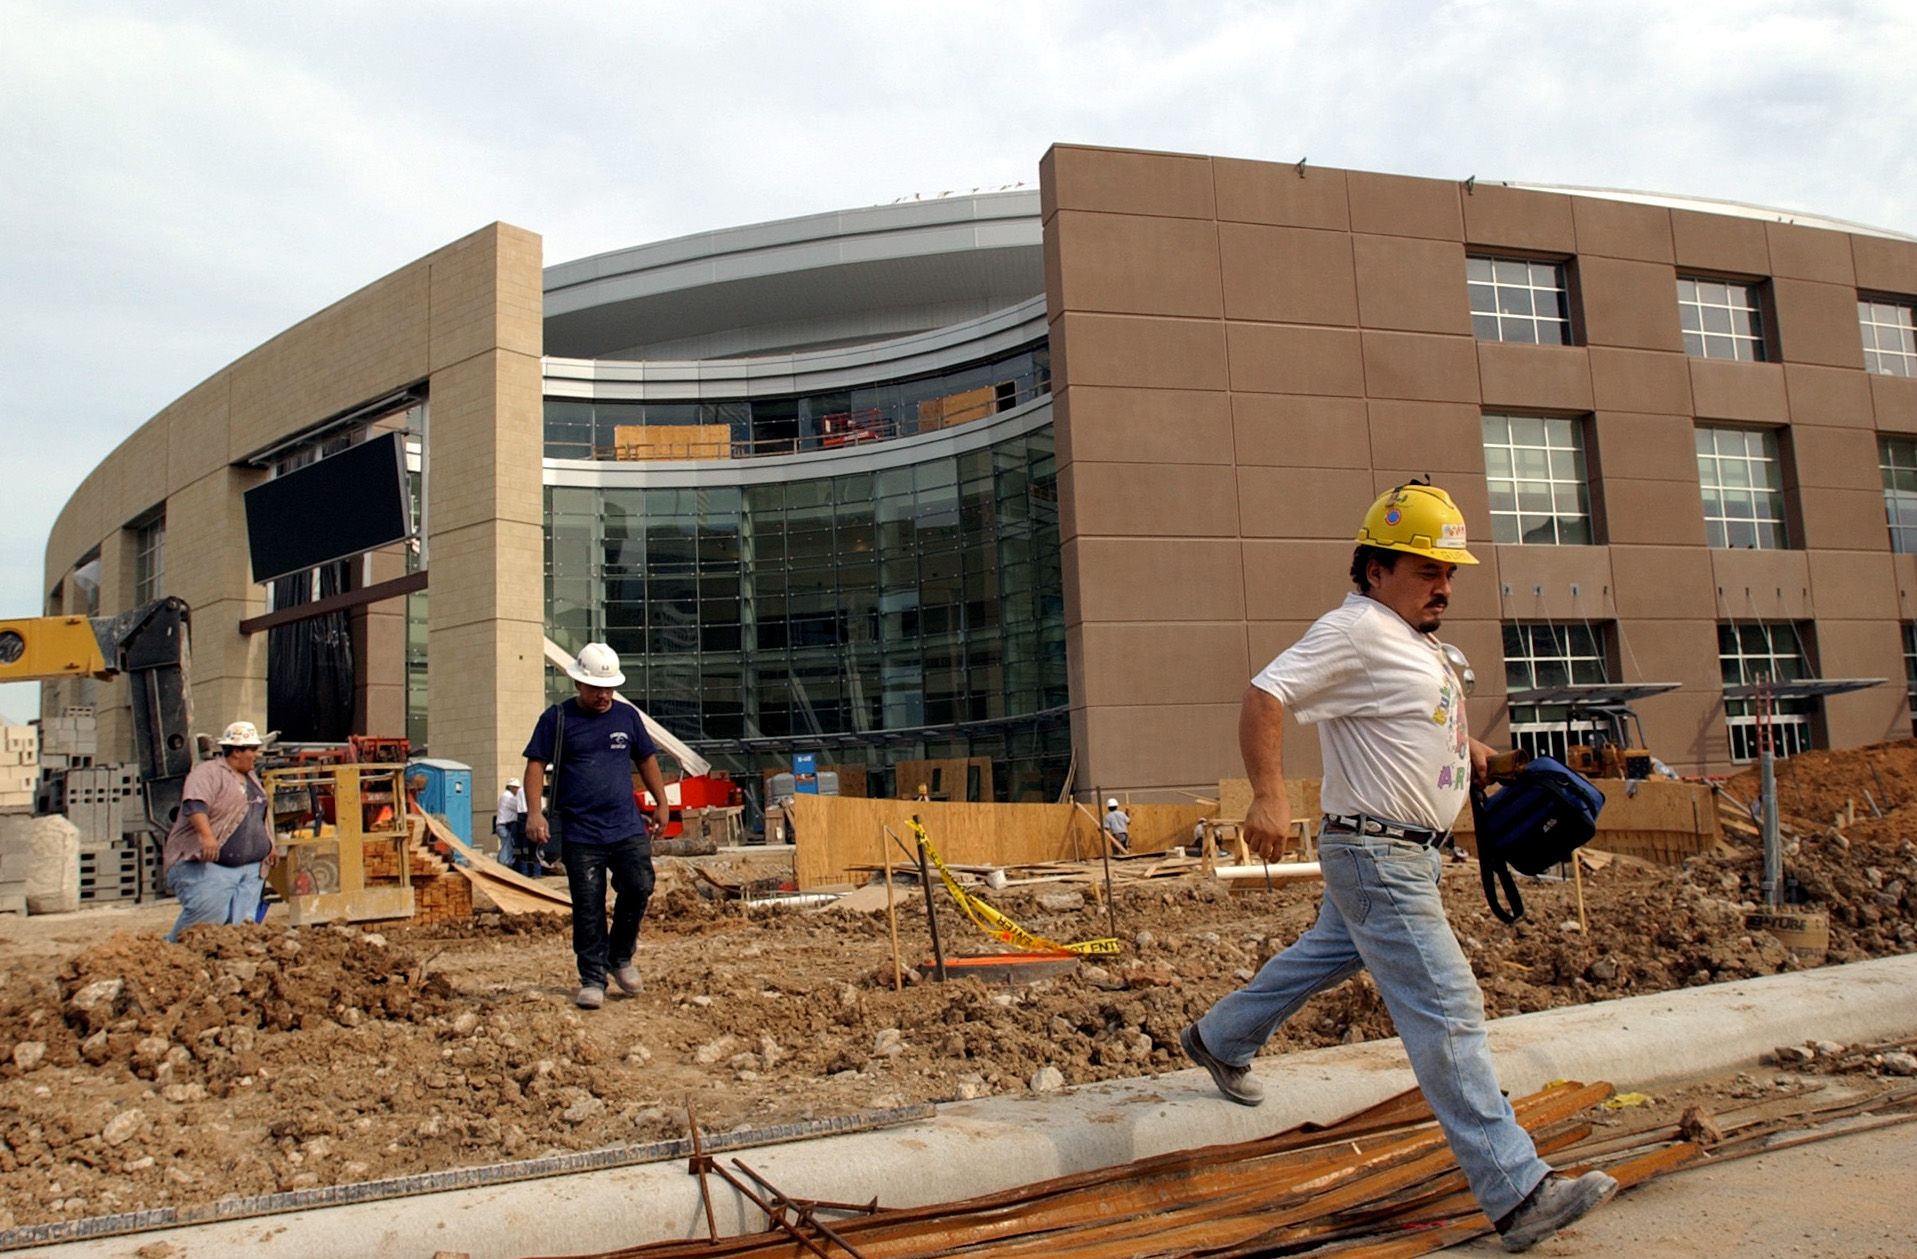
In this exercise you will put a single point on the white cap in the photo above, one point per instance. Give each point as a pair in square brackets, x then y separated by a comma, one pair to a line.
[512, 782]
[1112, 803]
[241, 734]
[598, 665]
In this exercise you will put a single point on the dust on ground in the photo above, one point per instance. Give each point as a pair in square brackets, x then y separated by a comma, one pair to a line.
[246, 1060]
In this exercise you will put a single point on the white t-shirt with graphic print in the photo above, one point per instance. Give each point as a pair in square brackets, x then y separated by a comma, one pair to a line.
[1389, 712]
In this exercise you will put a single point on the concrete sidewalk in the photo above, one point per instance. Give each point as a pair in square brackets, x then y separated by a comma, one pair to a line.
[977, 1147]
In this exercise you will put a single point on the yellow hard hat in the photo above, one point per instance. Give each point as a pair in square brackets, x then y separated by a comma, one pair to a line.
[1419, 519]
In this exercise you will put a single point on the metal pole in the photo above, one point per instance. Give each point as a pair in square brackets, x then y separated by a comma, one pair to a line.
[1767, 777]
[891, 914]
[931, 910]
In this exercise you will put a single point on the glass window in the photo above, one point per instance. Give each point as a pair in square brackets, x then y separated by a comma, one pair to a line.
[1910, 670]
[838, 606]
[149, 560]
[1534, 470]
[1517, 299]
[1540, 654]
[1742, 480]
[1765, 651]
[1890, 336]
[1897, 460]
[1721, 319]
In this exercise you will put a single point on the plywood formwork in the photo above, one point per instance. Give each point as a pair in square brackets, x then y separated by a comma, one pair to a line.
[834, 835]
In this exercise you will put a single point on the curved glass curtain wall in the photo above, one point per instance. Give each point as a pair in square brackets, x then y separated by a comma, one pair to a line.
[909, 613]
[584, 428]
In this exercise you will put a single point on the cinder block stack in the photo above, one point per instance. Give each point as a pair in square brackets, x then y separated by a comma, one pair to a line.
[19, 767]
[70, 741]
[16, 860]
[98, 803]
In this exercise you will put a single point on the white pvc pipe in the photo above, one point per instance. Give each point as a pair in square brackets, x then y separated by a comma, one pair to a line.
[1277, 872]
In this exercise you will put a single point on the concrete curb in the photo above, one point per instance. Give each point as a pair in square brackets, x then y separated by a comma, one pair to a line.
[978, 1147]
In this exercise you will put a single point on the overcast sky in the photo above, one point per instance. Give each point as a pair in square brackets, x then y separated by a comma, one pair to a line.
[184, 180]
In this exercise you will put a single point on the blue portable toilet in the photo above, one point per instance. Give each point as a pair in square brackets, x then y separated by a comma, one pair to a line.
[448, 792]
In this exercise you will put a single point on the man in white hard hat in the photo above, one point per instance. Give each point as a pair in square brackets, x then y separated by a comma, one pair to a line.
[1398, 761]
[509, 823]
[220, 847]
[593, 745]
[1118, 824]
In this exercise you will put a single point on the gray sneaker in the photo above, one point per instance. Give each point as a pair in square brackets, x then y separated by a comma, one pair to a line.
[628, 979]
[1556, 1202]
[1234, 1082]
[590, 998]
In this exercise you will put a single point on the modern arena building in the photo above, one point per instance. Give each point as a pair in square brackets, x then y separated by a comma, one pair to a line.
[1038, 480]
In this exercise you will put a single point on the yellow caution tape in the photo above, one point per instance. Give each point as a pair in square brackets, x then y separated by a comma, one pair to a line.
[994, 923]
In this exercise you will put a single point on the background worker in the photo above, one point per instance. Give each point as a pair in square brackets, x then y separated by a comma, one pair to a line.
[1118, 824]
[1398, 763]
[220, 847]
[509, 823]
[595, 743]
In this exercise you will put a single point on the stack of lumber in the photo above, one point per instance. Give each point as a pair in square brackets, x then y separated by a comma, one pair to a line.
[1383, 1181]
[511, 891]
[1380, 1184]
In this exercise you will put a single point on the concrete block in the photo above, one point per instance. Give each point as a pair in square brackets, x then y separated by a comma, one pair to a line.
[53, 878]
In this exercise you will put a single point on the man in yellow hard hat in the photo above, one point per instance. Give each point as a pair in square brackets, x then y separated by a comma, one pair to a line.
[1398, 764]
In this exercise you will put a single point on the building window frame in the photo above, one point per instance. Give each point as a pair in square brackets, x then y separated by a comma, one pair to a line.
[1538, 479]
[1740, 474]
[149, 558]
[1910, 671]
[1887, 324]
[1897, 462]
[1519, 300]
[1724, 318]
[1552, 653]
[1776, 651]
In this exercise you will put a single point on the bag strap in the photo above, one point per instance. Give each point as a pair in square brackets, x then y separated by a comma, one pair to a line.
[1494, 871]
[558, 748]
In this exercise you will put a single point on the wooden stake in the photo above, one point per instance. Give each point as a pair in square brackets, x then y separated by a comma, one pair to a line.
[891, 914]
[1577, 877]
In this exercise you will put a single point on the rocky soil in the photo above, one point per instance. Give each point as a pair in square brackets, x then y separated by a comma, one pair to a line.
[136, 1073]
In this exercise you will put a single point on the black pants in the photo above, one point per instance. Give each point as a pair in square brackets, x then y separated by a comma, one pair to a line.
[629, 862]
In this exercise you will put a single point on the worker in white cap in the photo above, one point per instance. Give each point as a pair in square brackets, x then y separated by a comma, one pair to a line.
[1118, 824]
[220, 846]
[592, 746]
[509, 823]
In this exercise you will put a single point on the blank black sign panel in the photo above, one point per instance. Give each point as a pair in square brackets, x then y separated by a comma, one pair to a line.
[339, 507]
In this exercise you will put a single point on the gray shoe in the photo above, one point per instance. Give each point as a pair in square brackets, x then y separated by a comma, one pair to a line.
[628, 979]
[590, 998]
[1234, 1082]
[1556, 1202]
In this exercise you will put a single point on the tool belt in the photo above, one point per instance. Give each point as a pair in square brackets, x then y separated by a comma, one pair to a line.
[1362, 824]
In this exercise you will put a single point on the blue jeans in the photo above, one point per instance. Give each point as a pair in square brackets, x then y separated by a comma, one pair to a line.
[1382, 912]
[508, 833]
[210, 892]
[629, 863]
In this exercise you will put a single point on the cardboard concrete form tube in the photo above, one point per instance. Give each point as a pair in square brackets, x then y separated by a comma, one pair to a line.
[996, 1143]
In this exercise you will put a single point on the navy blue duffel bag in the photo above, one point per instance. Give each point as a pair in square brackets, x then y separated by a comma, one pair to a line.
[1534, 822]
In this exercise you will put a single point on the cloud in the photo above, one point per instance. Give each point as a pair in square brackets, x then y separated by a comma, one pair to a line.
[186, 181]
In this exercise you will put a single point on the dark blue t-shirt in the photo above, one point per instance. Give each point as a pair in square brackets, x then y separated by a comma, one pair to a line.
[592, 797]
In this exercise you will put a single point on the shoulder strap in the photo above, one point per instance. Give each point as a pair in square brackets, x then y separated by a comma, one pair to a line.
[1492, 870]
[558, 744]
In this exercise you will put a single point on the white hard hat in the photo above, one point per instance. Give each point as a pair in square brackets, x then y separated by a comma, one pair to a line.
[512, 782]
[1112, 803]
[241, 734]
[598, 665]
